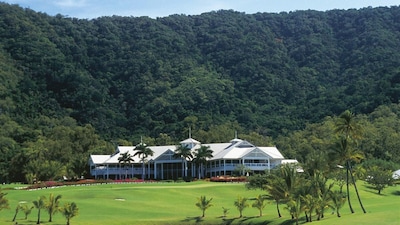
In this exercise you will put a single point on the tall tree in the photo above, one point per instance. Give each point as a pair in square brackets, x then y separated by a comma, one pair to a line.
[203, 204]
[349, 132]
[200, 158]
[185, 153]
[53, 205]
[143, 152]
[125, 159]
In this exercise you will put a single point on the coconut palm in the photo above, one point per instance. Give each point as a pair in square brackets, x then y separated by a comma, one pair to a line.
[39, 205]
[124, 160]
[185, 154]
[143, 152]
[52, 205]
[27, 210]
[295, 208]
[291, 179]
[309, 204]
[200, 157]
[69, 211]
[259, 203]
[241, 204]
[203, 204]
[277, 191]
[320, 190]
[349, 132]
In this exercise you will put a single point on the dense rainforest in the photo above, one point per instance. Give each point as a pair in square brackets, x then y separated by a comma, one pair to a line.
[71, 87]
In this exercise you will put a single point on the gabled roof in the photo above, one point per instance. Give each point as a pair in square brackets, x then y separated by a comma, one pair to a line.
[189, 141]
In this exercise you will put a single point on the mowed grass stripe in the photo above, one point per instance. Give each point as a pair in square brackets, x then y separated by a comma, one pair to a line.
[174, 203]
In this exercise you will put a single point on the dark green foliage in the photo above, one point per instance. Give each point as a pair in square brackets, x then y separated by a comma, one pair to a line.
[68, 84]
[268, 72]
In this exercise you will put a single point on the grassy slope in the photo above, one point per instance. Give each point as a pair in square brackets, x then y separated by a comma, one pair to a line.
[174, 204]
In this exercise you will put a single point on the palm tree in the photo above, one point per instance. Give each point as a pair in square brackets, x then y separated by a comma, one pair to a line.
[69, 211]
[185, 154]
[203, 204]
[309, 205]
[349, 132]
[3, 201]
[259, 203]
[338, 200]
[276, 190]
[16, 212]
[39, 204]
[320, 190]
[291, 179]
[52, 205]
[295, 208]
[200, 157]
[143, 152]
[241, 204]
[27, 210]
[124, 160]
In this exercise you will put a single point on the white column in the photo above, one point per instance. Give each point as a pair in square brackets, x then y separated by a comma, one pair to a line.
[155, 170]
[107, 173]
[149, 169]
[162, 171]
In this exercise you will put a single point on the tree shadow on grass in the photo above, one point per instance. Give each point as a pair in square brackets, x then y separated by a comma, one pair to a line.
[373, 190]
[193, 219]
[397, 192]
[244, 220]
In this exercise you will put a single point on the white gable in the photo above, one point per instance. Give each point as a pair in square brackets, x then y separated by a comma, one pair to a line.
[257, 153]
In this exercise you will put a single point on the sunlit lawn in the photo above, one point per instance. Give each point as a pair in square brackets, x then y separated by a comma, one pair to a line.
[174, 203]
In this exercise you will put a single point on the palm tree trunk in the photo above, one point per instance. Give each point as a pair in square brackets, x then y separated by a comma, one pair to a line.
[38, 217]
[347, 185]
[355, 188]
[277, 208]
[15, 215]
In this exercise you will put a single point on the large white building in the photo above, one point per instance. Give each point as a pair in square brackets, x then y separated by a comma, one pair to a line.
[227, 158]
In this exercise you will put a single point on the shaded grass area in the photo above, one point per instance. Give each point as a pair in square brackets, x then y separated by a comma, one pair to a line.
[174, 203]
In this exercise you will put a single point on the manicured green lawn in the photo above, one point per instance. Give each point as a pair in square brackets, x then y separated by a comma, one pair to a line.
[174, 203]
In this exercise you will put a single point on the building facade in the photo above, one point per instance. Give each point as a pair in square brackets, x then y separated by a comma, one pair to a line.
[236, 156]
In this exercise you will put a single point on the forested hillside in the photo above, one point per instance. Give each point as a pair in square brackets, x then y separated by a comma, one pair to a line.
[118, 78]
